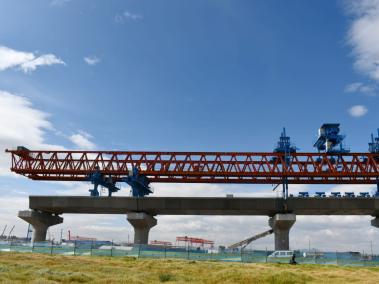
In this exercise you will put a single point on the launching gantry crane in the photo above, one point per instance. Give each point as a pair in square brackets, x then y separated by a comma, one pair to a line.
[332, 164]
[373, 146]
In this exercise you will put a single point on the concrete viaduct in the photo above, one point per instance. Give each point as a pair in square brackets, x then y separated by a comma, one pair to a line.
[141, 212]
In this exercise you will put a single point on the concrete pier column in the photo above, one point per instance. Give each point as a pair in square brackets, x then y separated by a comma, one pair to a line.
[40, 221]
[375, 222]
[142, 223]
[281, 224]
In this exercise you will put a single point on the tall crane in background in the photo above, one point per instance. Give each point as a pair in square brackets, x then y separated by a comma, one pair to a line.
[2, 234]
[10, 232]
[331, 164]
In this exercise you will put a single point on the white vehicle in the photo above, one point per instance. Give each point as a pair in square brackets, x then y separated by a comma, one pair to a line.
[280, 256]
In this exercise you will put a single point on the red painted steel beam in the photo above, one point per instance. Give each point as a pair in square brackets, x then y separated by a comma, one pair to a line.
[194, 240]
[200, 167]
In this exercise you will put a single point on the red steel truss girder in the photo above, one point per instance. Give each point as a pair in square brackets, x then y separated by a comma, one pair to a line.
[201, 167]
[194, 240]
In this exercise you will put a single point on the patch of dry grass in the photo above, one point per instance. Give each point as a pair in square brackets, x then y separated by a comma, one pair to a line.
[40, 268]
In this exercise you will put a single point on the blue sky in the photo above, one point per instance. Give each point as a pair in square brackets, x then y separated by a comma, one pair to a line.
[183, 76]
[203, 73]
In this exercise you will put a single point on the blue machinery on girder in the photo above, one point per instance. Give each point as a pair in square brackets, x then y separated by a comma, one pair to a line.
[329, 141]
[97, 178]
[284, 146]
[373, 147]
[139, 183]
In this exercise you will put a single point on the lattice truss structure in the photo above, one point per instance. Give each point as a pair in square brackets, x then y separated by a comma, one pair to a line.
[200, 167]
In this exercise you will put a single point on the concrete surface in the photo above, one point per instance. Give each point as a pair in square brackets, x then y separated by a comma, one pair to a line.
[282, 224]
[375, 222]
[205, 205]
[40, 222]
[142, 223]
[140, 211]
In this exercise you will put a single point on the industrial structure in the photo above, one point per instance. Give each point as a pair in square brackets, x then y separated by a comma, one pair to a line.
[331, 164]
[3, 236]
[194, 242]
[161, 243]
[245, 243]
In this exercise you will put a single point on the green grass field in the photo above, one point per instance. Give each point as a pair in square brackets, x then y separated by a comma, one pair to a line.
[41, 268]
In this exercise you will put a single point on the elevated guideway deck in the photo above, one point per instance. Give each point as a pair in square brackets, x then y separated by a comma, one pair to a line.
[205, 205]
[141, 212]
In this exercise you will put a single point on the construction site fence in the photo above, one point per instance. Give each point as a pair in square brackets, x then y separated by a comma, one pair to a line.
[154, 251]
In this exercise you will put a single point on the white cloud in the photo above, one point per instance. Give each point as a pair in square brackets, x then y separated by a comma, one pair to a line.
[82, 141]
[25, 61]
[91, 60]
[353, 87]
[21, 125]
[357, 110]
[127, 16]
[358, 87]
[363, 36]
[47, 59]
[11, 58]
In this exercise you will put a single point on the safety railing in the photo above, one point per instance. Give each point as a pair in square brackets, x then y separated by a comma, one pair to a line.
[91, 248]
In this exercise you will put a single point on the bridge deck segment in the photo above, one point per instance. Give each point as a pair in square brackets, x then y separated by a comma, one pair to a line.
[205, 205]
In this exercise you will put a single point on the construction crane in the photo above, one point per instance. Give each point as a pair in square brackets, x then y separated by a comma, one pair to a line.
[2, 234]
[248, 241]
[10, 232]
[138, 169]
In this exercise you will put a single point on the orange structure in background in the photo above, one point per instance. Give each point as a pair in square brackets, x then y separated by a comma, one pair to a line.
[190, 241]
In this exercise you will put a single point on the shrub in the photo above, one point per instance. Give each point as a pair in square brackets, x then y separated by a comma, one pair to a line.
[164, 277]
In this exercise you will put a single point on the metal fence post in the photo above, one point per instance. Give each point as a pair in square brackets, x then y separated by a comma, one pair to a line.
[91, 246]
[165, 251]
[51, 248]
[139, 250]
[10, 245]
[314, 256]
[266, 254]
[75, 247]
[112, 248]
[337, 258]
